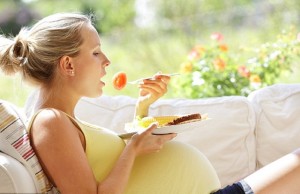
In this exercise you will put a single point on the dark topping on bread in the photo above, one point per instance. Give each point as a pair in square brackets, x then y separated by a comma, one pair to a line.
[185, 118]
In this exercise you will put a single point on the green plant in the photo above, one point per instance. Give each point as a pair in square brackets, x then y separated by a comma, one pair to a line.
[215, 70]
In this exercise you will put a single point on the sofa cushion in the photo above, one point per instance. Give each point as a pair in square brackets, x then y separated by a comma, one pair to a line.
[278, 125]
[12, 176]
[14, 141]
[227, 139]
[106, 111]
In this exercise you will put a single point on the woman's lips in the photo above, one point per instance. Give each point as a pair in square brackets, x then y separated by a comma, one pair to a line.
[102, 82]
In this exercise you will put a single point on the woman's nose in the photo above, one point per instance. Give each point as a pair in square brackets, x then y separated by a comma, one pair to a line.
[107, 61]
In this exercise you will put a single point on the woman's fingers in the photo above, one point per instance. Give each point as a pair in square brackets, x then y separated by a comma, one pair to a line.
[162, 139]
[154, 86]
[164, 78]
[148, 142]
[151, 128]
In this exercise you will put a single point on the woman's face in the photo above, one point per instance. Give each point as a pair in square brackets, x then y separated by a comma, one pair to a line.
[90, 64]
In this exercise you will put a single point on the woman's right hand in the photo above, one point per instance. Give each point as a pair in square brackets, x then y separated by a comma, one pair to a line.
[146, 142]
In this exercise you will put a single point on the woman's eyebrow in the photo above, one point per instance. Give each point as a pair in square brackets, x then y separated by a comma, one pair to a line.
[97, 46]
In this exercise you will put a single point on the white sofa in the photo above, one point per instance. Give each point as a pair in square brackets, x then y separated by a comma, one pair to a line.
[242, 134]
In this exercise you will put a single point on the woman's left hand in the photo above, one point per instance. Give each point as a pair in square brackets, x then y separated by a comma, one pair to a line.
[150, 91]
[153, 89]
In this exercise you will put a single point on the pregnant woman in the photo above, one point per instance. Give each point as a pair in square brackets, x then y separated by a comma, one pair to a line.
[62, 55]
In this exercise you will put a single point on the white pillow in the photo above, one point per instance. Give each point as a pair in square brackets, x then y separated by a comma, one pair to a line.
[14, 141]
[108, 112]
[227, 139]
[278, 125]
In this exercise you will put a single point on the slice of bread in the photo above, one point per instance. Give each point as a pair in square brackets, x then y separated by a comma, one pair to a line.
[168, 120]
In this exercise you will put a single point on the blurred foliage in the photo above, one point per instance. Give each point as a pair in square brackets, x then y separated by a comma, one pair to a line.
[217, 70]
[13, 15]
[108, 14]
[116, 13]
[142, 37]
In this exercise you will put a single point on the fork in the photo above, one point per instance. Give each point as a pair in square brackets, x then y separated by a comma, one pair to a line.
[150, 78]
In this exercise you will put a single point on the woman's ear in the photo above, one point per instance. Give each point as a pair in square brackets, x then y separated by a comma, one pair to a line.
[66, 66]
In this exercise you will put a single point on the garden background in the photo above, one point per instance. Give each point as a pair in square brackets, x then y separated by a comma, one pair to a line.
[220, 47]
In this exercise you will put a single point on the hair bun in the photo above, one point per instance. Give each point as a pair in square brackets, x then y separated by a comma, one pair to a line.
[20, 50]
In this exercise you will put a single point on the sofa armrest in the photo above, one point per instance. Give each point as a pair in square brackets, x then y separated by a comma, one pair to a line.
[14, 177]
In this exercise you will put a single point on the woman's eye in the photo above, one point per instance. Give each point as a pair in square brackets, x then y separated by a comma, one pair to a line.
[96, 54]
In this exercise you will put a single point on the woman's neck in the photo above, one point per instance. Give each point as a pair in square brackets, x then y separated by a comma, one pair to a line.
[62, 100]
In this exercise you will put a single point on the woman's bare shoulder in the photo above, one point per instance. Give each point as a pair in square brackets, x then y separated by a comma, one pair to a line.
[53, 125]
[49, 118]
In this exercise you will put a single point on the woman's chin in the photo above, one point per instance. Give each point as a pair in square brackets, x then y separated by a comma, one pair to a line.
[95, 95]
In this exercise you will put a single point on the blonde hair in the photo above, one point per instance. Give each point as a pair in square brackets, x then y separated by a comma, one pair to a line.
[36, 52]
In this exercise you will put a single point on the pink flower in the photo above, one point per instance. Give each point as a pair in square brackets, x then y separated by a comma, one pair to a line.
[196, 53]
[243, 71]
[298, 37]
[217, 36]
[193, 55]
